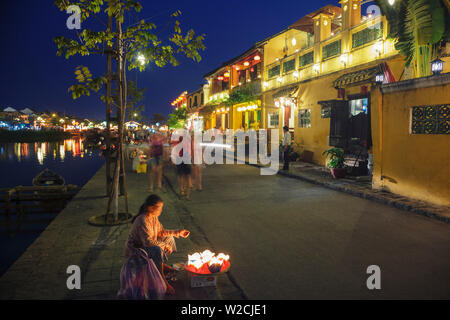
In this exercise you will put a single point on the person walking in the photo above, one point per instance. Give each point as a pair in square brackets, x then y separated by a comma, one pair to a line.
[286, 144]
[156, 161]
[184, 171]
[196, 168]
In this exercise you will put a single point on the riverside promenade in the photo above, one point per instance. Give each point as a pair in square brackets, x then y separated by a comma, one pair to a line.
[40, 273]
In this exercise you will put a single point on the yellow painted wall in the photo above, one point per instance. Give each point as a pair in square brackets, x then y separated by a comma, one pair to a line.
[416, 166]
[316, 138]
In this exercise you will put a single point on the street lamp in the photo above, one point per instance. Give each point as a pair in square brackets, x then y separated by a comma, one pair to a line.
[437, 66]
[141, 59]
[379, 78]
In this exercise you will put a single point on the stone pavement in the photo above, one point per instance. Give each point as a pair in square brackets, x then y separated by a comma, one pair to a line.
[362, 187]
[40, 273]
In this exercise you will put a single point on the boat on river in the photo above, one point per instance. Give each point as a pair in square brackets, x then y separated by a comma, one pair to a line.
[48, 178]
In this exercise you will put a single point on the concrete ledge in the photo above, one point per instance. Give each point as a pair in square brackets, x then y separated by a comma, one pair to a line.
[425, 82]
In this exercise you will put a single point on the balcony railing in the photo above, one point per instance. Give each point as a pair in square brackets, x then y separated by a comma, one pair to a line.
[366, 44]
[254, 86]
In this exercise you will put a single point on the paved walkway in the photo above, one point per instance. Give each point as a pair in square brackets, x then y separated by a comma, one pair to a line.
[291, 239]
[362, 187]
[40, 273]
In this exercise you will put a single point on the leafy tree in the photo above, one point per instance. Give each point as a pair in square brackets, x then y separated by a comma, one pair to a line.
[177, 119]
[240, 95]
[158, 118]
[419, 26]
[135, 95]
[135, 46]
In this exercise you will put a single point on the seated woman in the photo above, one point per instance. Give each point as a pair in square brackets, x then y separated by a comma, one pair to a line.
[147, 233]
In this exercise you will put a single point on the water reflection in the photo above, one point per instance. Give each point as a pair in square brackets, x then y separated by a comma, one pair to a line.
[43, 150]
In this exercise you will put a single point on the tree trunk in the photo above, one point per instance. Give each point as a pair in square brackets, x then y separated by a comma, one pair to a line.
[122, 120]
[120, 123]
[108, 113]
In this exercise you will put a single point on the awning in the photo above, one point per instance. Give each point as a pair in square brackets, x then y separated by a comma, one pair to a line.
[290, 92]
[356, 78]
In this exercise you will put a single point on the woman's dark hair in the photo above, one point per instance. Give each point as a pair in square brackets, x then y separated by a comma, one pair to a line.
[151, 200]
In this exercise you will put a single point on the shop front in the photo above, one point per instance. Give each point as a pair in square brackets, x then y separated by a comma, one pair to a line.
[195, 122]
[350, 118]
[222, 118]
[247, 116]
[285, 101]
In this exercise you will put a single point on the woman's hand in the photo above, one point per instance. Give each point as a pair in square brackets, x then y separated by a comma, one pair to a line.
[167, 249]
[184, 233]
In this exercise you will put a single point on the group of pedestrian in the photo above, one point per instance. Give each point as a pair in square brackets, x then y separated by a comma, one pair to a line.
[189, 175]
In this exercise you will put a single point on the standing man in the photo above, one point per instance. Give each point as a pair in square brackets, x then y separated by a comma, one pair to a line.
[286, 143]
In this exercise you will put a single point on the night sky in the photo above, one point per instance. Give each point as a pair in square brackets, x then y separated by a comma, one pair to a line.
[33, 76]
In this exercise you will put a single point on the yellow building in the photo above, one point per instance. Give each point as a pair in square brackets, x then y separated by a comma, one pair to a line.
[194, 103]
[215, 113]
[318, 74]
[235, 92]
[245, 84]
[319, 78]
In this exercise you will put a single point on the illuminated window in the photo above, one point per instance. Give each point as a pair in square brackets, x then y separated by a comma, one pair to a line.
[367, 35]
[304, 118]
[331, 49]
[288, 66]
[274, 118]
[306, 59]
[274, 71]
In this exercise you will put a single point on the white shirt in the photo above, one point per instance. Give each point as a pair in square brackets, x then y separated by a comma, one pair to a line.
[287, 139]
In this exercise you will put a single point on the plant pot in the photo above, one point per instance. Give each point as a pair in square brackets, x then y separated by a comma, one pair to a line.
[338, 173]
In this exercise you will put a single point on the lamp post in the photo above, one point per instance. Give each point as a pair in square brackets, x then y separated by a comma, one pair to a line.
[437, 66]
[379, 78]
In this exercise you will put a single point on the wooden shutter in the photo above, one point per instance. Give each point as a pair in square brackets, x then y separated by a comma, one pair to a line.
[339, 124]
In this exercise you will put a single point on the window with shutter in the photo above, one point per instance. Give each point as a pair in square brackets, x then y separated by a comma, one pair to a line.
[288, 66]
[331, 49]
[274, 71]
[307, 59]
[367, 35]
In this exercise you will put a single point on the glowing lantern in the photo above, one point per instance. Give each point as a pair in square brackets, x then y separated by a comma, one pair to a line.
[207, 262]
[257, 58]
[437, 66]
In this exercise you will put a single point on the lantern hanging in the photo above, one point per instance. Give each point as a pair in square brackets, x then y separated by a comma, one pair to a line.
[437, 66]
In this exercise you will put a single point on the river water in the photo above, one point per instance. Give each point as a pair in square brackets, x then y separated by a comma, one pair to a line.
[21, 162]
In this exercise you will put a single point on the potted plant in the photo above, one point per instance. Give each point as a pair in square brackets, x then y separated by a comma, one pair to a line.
[336, 162]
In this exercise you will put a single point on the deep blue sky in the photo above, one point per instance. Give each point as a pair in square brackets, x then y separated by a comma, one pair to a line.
[33, 76]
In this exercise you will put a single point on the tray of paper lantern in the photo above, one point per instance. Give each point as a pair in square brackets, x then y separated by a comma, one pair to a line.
[207, 263]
